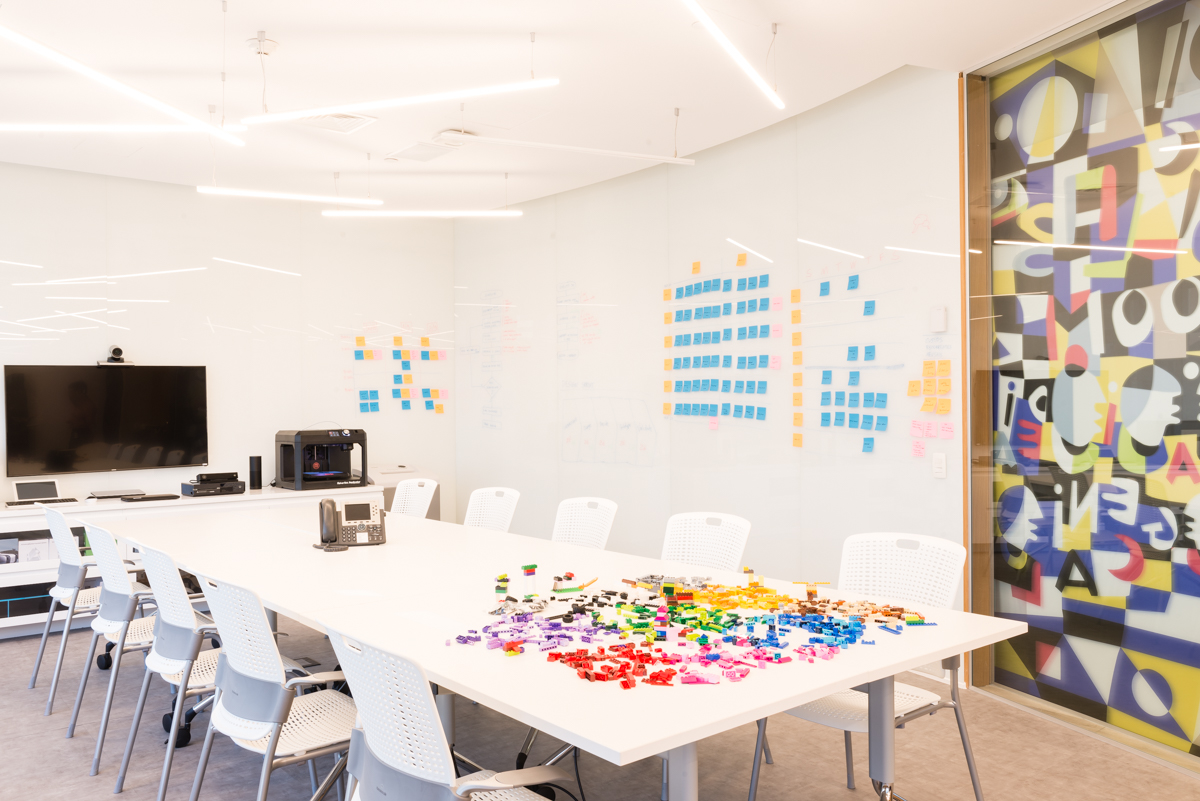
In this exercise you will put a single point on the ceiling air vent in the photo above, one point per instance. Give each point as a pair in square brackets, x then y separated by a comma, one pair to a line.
[341, 123]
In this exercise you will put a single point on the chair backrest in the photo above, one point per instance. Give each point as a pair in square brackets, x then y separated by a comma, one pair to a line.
[413, 497]
[584, 521]
[492, 507]
[397, 710]
[706, 539]
[246, 637]
[108, 560]
[171, 597]
[904, 567]
[64, 539]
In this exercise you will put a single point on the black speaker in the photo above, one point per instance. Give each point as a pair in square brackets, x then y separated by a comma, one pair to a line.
[255, 472]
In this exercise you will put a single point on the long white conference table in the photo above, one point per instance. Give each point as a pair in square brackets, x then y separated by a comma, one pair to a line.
[433, 580]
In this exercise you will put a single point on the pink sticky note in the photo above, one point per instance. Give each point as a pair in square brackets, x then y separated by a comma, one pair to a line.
[931, 429]
[776, 362]
[445, 393]
[947, 430]
[379, 355]
[777, 330]
[776, 304]
[917, 429]
[712, 424]
[441, 355]
[918, 448]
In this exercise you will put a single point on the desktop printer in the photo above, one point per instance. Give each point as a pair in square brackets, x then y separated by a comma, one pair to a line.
[312, 460]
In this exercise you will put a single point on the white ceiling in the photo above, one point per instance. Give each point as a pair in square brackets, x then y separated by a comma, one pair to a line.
[623, 64]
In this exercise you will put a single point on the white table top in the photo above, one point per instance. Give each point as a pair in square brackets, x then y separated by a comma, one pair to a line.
[432, 581]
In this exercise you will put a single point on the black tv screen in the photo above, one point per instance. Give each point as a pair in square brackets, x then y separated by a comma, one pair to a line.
[76, 419]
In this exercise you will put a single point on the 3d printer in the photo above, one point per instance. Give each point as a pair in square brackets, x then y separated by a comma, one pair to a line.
[309, 460]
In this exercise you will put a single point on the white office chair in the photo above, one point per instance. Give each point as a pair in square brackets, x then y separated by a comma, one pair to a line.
[706, 539]
[256, 706]
[67, 591]
[401, 750]
[584, 521]
[120, 600]
[413, 497]
[910, 568]
[492, 507]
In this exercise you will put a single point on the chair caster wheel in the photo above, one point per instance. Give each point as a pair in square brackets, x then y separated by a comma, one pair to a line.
[183, 737]
[885, 793]
[166, 721]
[104, 661]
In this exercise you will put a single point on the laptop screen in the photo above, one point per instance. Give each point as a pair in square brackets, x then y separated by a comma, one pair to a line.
[36, 490]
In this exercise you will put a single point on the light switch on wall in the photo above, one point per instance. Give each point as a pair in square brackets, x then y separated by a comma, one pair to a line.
[939, 465]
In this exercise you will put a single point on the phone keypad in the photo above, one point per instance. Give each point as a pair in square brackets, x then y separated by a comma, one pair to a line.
[352, 533]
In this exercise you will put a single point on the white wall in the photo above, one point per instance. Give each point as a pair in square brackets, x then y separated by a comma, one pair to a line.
[560, 400]
[278, 348]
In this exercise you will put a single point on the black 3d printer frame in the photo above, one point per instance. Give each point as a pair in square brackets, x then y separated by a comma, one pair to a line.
[298, 440]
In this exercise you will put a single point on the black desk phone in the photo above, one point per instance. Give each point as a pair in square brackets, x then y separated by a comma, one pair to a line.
[351, 523]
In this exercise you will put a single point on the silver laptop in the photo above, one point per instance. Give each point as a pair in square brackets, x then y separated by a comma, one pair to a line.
[42, 490]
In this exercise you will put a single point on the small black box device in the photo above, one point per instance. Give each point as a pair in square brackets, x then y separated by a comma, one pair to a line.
[199, 488]
[210, 478]
[310, 460]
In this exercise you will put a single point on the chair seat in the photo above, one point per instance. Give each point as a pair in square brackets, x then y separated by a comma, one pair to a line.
[316, 720]
[847, 710]
[141, 630]
[87, 599]
[515, 794]
[204, 671]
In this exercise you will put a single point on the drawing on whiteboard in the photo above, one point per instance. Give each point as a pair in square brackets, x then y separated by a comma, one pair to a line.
[607, 431]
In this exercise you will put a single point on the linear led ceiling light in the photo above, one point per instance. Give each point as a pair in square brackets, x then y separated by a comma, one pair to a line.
[351, 201]
[733, 52]
[458, 138]
[20, 264]
[112, 83]
[923, 252]
[398, 213]
[46, 127]
[827, 247]
[1084, 247]
[748, 250]
[257, 267]
[415, 100]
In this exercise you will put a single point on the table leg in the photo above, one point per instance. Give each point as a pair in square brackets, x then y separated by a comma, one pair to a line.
[683, 780]
[881, 719]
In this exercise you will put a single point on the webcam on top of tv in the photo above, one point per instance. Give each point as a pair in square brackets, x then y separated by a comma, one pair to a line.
[116, 357]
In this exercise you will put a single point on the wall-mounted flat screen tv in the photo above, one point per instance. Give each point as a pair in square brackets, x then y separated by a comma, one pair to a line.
[89, 419]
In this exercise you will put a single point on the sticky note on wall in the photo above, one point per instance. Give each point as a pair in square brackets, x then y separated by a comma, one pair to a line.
[929, 386]
[424, 342]
[666, 294]
[795, 316]
[397, 341]
[797, 398]
[741, 260]
[360, 341]
[943, 367]
[928, 368]
[797, 440]
[797, 379]
[795, 296]
[929, 405]
[943, 406]
[797, 357]
[943, 386]
[695, 268]
[914, 388]
[798, 418]
[795, 338]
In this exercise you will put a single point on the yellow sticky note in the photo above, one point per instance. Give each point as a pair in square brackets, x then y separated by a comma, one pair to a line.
[797, 398]
[797, 357]
[666, 294]
[433, 355]
[404, 354]
[438, 408]
[795, 296]
[929, 405]
[797, 418]
[943, 406]
[943, 367]
[943, 386]
[795, 316]
[797, 440]
[667, 318]
[407, 379]
[666, 342]
[369, 354]
[666, 408]
[929, 386]
[914, 388]
[404, 393]
[797, 379]
[695, 268]
[741, 262]
[796, 338]
[666, 386]
[928, 368]
[397, 341]
[424, 342]
[666, 364]
[433, 393]
[360, 341]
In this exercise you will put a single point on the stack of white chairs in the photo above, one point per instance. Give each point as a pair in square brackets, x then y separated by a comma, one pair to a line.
[492, 507]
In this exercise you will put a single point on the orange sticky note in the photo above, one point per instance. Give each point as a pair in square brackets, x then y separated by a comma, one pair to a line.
[404, 394]
[943, 367]
[741, 262]
[666, 294]
[797, 418]
[407, 378]
[424, 342]
[928, 369]
[914, 388]
[795, 316]
[797, 398]
[929, 386]
[798, 357]
[438, 408]
[666, 364]
[667, 318]
[666, 342]
[666, 386]
[397, 341]
[360, 341]
[796, 338]
[795, 296]
[368, 354]
[797, 379]
[943, 386]
[433, 355]
[797, 440]
[404, 354]
[433, 393]
[943, 405]
[695, 268]
[666, 408]
[929, 405]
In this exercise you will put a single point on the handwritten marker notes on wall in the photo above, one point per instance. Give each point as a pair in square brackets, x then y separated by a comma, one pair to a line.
[947, 430]
[929, 405]
[928, 368]
[943, 406]
[916, 429]
[929, 386]
[918, 448]
[914, 388]
[943, 386]
[943, 367]
[930, 429]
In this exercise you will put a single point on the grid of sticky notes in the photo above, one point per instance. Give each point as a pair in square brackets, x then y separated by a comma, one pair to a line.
[710, 317]
[427, 398]
[854, 399]
[933, 388]
[797, 376]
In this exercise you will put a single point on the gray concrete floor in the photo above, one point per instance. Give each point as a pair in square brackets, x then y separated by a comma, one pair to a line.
[1020, 755]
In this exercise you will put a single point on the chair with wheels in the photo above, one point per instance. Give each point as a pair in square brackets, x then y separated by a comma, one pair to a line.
[584, 521]
[706, 539]
[401, 750]
[413, 497]
[120, 600]
[908, 568]
[68, 592]
[492, 507]
[256, 705]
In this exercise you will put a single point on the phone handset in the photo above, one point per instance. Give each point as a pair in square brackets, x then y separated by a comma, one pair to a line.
[331, 526]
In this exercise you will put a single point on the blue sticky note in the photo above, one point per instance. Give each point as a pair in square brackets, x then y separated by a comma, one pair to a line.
[728, 285]
[704, 313]
[678, 292]
[853, 400]
[752, 282]
[868, 444]
[679, 340]
[679, 315]
[868, 308]
[358, 355]
[374, 406]
[749, 387]
[881, 423]
[696, 288]
[749, 412]
[762, 281]
[707, 340]
[695, 385]
[761, 413]
[825, 418]
[727, 308]
[764, 304]
[741, 284]
[852, 283]
[676, 365]
[854, 378]
[364, 395]
[826, 376]
[364, 407]
[751, 363]
[425, 393]
[839, 398]
[397, 379]
[741, 363]
[741, 307]
[716, 337]
[839, 418]
[763, 361]
[396, 355]
[742, 332]
[406, 405]
[707, 286]
[679, 408]
[728, 361]
[740, 386]
[853, 421]
[424, 355]
[727, 335]
[824, 288]
[724, 409]
[395, 393]
[696, 409]
[866, 422]
[825, 398]
[764, 331]
[751, 305]
[704, 410]
[704, 385]
[737, 411]
[762, 387]
[704, 361]
[687, 291]
[725, 385]
[406, 365]
[868, 400]
[754, 332]
[687, 315]
[852, 353]
[687, 339]
[687, 362]
[880, 400]
[679, 386]
[869, 353]
[374, 394]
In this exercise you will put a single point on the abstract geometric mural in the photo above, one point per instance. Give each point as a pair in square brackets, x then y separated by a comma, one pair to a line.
[1096, 370]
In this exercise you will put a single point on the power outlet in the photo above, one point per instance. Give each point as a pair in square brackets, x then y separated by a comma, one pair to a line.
[939, 465]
